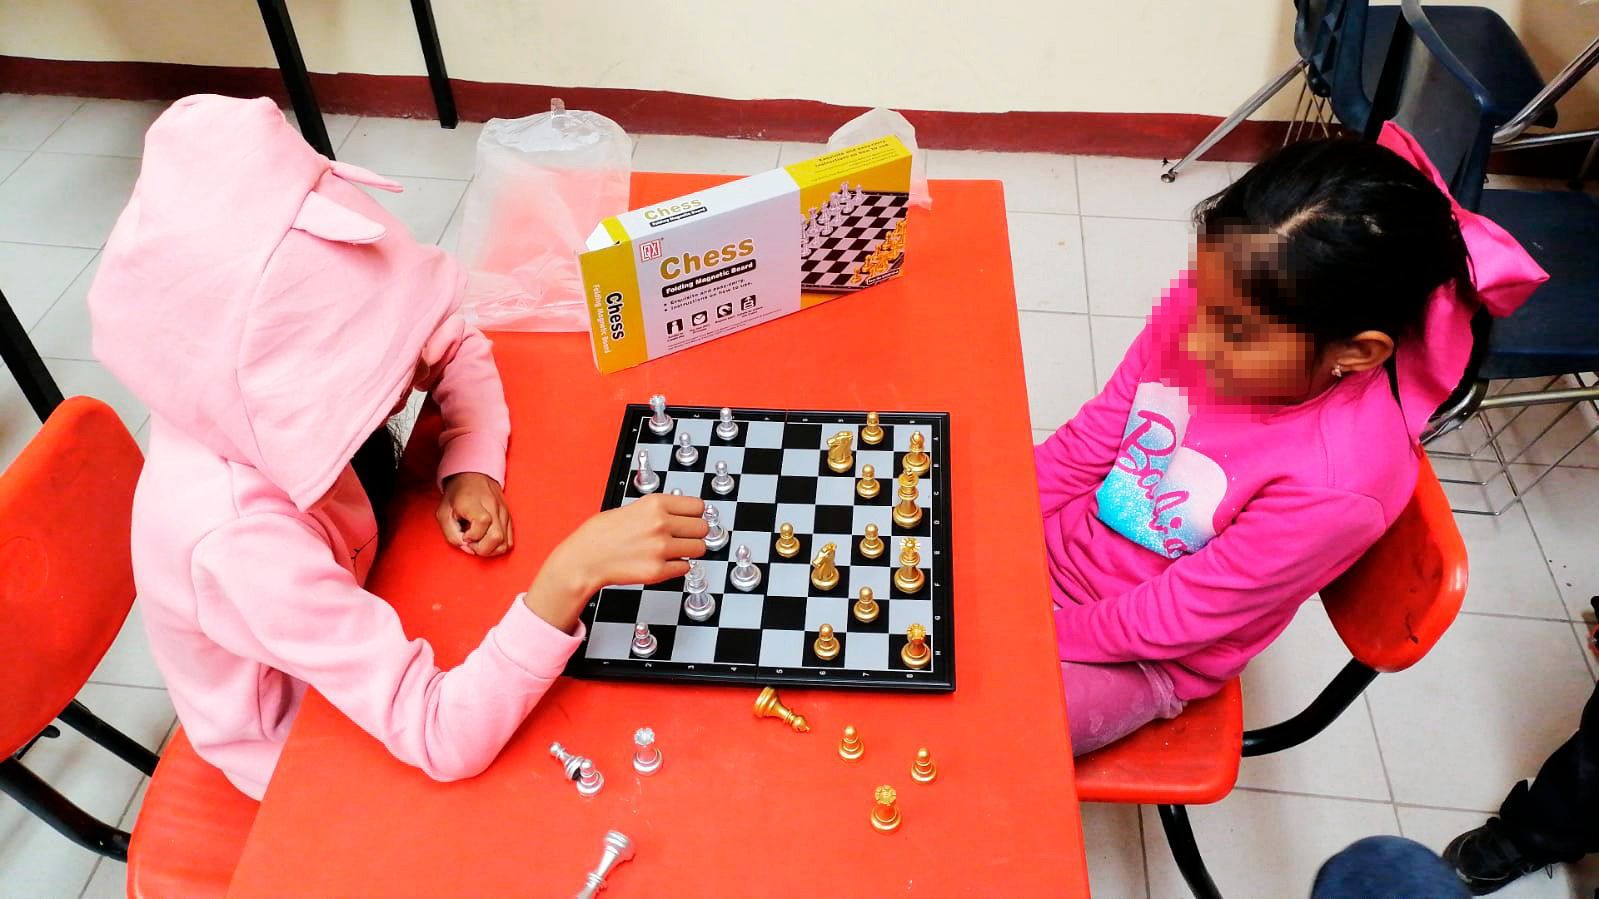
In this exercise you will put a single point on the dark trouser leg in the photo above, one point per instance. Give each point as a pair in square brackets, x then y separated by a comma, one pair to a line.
[1557, 818]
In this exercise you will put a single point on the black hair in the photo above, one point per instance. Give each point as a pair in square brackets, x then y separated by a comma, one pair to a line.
[377, 466]
[1338, 236]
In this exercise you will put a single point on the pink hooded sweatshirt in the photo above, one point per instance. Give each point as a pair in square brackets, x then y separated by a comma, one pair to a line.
[1185, 534]
[271, 315]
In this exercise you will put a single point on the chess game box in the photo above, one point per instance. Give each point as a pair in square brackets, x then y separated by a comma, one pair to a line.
[710, 263]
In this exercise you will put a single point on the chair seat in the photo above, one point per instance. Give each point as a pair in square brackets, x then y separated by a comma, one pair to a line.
[191, 829]
[1557, 331]
[1190, 760]
[1485, 43]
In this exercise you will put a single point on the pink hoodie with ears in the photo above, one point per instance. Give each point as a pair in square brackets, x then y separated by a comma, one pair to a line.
[271, 314]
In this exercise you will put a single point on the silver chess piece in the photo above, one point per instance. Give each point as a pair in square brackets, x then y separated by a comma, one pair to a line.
[716, 536]
[677, 491]
[723, 482]
[644, 642]
[589, 778]
[646, 758]
[726, 427]
[570, 763]
[660, 422]
[744, 574]
[618, 849]
[645, 479]
[686, 453]
[699, 605]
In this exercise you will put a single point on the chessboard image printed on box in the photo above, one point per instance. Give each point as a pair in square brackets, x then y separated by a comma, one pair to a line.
[765, 636]
[856, 240]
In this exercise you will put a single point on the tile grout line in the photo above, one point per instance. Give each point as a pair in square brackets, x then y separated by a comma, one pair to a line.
[1376, 739]
[110, 683]
[57, 301]
[33, 152]
[117, 824]
[1300, 795]
[1548, 564]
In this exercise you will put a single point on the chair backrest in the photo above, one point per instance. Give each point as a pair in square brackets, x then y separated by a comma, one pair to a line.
[66, 575]
[1428, 91]
[1391, 607]
[1330, 36]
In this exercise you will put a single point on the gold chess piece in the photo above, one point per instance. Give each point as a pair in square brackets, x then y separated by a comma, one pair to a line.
[866, 608]
[826, 645]
[907, 514]
[787, 545]
[839, 457]
[923, 770]
[872, 434]
[871, 545]
[885, 814]
[767, 705]
[867, 487]
[851, 747]
[909, 577]
[916, 460]
[824, 573]
[856, 279]
[915, 653]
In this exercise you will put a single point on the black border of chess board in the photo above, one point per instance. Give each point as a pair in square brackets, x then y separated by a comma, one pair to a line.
[939, 678]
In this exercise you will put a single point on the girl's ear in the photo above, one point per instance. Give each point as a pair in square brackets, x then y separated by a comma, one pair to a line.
[328, 220]
[1363, 352]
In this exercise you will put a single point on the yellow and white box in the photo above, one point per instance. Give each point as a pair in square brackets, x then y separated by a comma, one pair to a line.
[708, 264]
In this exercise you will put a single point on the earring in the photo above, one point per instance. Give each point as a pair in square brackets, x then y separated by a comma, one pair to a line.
[1338, 370]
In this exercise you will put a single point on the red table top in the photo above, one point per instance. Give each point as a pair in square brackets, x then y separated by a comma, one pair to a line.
[741, 806]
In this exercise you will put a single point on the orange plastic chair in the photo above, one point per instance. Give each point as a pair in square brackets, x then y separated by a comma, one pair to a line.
[66, 586]
[192, 828]
[1390, 609]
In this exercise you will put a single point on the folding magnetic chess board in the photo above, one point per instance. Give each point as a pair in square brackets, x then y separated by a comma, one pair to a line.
[843, 251]
[765, 636]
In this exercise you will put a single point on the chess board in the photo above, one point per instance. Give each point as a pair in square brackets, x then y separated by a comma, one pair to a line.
[765, 636]
[844, 251]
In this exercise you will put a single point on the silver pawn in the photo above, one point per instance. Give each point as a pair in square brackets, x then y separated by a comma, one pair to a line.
[686, 453]
[726, 428]
[660, 422]
[645, 479]
[723, 482]
[644, 642]
[677, 491]
[744, 575]
[646, 758]
[570, 763]
[589, 779]
[618, 849]
[699, 606]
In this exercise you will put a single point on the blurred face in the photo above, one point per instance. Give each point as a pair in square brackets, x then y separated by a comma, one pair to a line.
[1249, 356]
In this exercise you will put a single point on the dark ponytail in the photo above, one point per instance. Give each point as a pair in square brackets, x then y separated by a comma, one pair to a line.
[1336, 237]
[377, 466]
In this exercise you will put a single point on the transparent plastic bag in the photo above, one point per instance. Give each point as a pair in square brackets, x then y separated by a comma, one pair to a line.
[542, 184]
[876, 123]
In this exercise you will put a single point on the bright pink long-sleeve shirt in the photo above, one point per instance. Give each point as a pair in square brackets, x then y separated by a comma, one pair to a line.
[271, 314]
[1186, 535]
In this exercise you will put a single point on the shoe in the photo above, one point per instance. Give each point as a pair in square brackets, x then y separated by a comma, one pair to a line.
[1486, 859]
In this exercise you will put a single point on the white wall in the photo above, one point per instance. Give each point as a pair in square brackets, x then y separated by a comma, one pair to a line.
[1139, 56]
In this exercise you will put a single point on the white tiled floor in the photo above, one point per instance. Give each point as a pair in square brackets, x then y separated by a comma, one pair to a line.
[1427, 752]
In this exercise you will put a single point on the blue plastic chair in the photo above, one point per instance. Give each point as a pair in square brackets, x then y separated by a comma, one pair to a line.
[1432, 92]
[1341, 46]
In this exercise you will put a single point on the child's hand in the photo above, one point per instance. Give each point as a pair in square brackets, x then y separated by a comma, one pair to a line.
[642, 543]
[473, 515]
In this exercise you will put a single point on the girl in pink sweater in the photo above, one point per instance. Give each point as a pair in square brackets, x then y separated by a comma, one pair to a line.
[1261, 431]
[273, 317]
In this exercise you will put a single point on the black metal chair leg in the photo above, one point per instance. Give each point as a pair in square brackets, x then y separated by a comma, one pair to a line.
[20, 356]
[79, 718]
[438, 79]
[57, 811]
[280, 30]
[1180, 837]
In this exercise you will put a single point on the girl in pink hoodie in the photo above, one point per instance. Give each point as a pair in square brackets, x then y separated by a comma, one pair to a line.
[273, 316]
[1261, 431]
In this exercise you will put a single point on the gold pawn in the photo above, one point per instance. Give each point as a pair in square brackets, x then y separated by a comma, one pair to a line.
[871, 545]
[767, 705]
[872, 434]
[923, 770]
[826, 646]
[787, 545]
[885, 814]
[851, 746]
[866, 608]
[867, 487]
